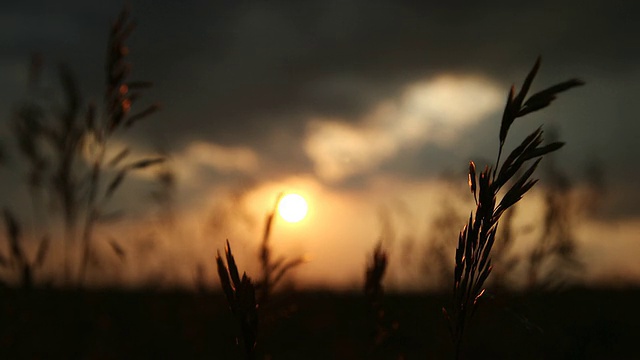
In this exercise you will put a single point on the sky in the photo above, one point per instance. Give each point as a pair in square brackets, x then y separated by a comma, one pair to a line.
[370, 109]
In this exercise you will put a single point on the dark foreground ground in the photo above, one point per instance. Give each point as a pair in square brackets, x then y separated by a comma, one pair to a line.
[576, 324]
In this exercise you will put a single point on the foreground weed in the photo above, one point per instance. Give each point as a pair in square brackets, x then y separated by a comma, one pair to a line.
[74, 164]
[17, 260]
[273, 271]
[374, 293]
[473, 253]
[241, 296]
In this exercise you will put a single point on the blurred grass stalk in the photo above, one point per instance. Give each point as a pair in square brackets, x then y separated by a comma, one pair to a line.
[374, 292]
[66, 148]
[273, 271]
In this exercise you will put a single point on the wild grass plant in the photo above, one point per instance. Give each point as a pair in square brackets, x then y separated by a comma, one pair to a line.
[374, 293]
[256, 294]
[17, 258]
[436, 260]
[554, 258]
[473, 254]
[241, 297]
[74, 165]
[273, 271]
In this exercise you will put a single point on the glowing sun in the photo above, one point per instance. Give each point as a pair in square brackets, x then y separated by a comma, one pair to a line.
[292, 208]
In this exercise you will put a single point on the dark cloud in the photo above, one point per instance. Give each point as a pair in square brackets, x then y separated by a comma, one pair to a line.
[232, 67]
[253, 73]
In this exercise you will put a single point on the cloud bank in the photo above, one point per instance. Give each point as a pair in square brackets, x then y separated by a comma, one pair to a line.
[431, 111]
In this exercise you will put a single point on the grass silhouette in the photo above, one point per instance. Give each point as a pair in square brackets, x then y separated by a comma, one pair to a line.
[74, 165]
[473, 253]
[241, 297]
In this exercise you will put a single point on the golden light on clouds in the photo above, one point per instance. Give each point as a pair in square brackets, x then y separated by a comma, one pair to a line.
[293, 208]
[433, 110]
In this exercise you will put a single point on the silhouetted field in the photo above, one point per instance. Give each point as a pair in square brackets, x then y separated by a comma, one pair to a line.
[46, 324]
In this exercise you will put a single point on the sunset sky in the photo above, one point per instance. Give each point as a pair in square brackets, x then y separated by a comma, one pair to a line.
[371, 110]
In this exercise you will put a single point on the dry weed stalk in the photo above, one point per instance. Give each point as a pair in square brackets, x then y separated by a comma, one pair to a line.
[241, 296]
[273, 271]
[120, 96]
[51, 146]
[473, 253]
[556, 245]
[374, 292]
[374, 273]
[17, 259]
[67, 155]
[443, 226]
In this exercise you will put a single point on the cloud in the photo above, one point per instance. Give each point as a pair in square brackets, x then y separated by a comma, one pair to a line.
[222, 159]
[431, 111]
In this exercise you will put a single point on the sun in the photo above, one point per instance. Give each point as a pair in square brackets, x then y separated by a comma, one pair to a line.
[293, 208]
